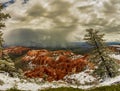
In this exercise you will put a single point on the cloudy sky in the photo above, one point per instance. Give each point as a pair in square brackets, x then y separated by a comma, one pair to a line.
[58, 22]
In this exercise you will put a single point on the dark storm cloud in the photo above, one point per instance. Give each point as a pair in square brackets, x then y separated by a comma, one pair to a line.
[36, 11]
[56, 35]
[87, 8]
[57, 22]
[112, 29]
[29, 37]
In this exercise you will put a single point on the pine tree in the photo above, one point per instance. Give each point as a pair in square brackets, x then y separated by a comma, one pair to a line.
[3, 17]
[6, 64]
[106, 66]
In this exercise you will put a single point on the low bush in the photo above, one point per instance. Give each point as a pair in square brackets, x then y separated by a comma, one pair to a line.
[13, 89]
[104, 88]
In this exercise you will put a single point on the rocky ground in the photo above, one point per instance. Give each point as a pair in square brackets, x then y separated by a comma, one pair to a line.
[51, 69]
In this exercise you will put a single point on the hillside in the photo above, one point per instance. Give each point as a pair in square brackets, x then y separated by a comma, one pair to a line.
[53, 64]
[51, 69]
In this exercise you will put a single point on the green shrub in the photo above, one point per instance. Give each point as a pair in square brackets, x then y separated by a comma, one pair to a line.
[104, 88]
[13, 89]
[1, 82]
[7, 66]
[63, 89]
[107, 88]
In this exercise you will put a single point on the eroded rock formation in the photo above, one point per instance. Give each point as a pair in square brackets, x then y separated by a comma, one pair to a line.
[53, 65]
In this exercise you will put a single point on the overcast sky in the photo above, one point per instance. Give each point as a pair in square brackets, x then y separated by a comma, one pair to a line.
[57, 22]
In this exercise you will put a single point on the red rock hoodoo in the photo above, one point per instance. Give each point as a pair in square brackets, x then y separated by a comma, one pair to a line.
[53, 65]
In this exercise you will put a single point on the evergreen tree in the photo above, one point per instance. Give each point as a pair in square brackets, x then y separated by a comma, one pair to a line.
[106, 66]
[6, 64]
[3, 17]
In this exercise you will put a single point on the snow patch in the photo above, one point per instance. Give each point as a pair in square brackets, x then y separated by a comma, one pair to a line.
[110, 81]
[115, 56]
[81, 78]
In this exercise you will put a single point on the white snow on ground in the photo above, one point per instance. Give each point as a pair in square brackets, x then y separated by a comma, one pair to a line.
[115, 56]
[80, 78]
[110, 81]
[11, 82]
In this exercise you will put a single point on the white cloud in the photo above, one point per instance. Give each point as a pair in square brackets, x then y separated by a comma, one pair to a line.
[63, 20]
